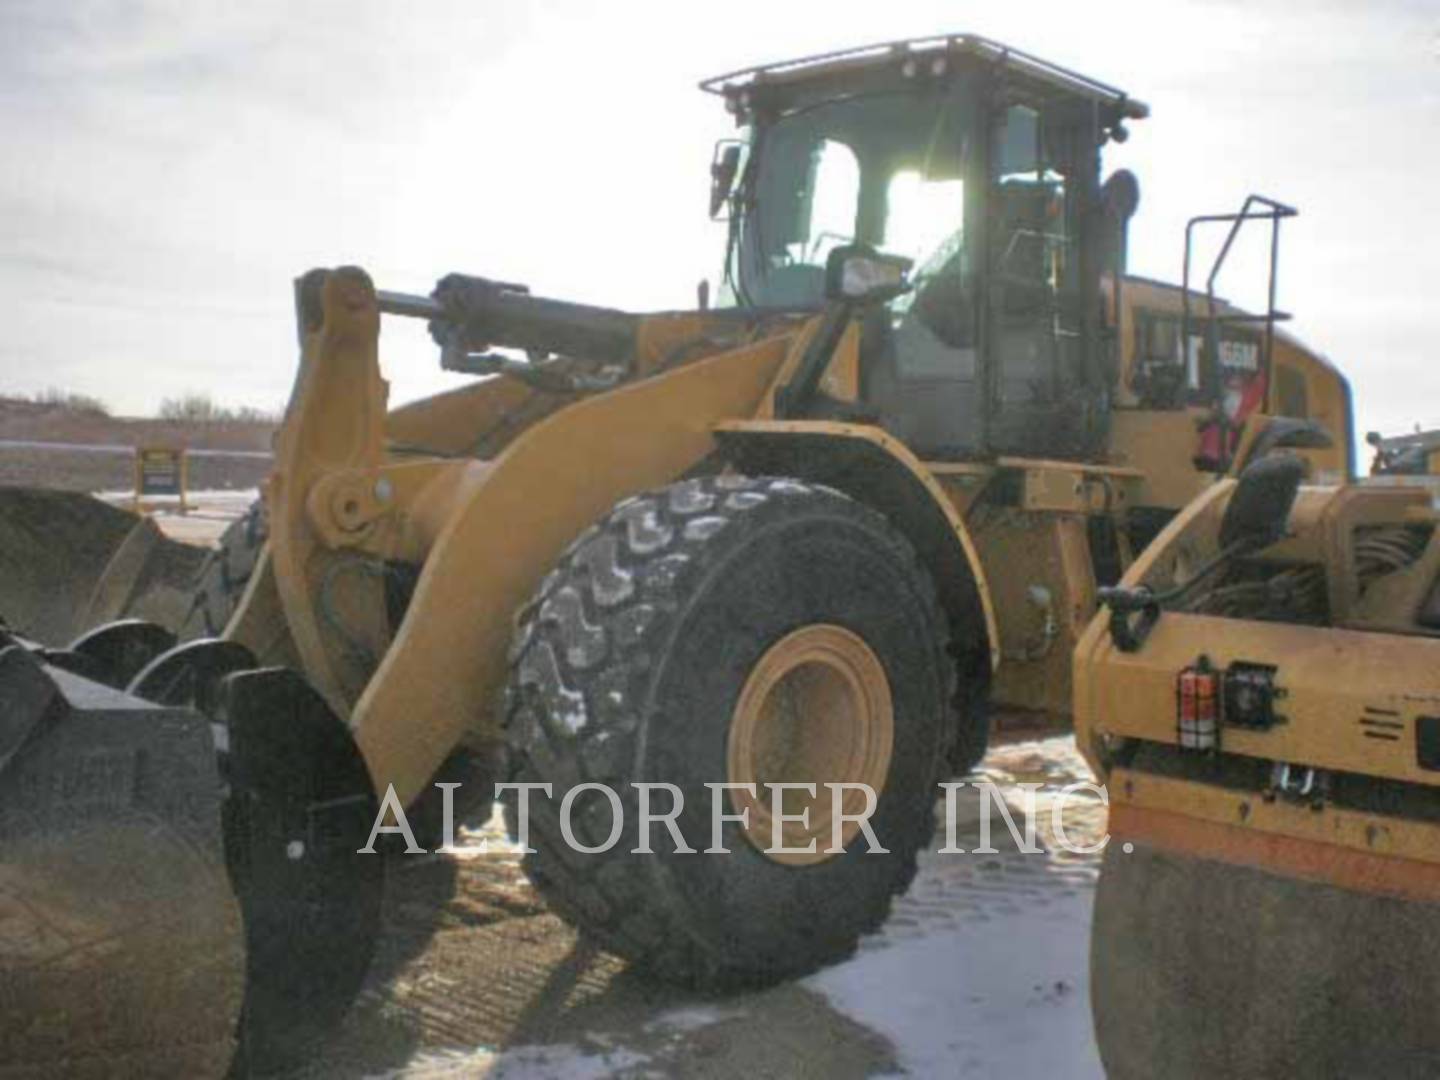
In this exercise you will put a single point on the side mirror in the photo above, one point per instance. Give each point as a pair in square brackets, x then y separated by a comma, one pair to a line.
[723, 167]
[861, 274]
[1261, 503]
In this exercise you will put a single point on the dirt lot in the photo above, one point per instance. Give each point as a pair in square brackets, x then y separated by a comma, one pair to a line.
[980, 972]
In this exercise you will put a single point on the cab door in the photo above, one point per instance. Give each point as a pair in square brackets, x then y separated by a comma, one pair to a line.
[920, 352]
[1040, 400]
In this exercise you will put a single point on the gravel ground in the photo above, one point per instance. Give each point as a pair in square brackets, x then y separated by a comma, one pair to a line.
[981, 971]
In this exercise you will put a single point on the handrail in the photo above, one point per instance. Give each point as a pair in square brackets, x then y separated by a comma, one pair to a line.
[1274, 212]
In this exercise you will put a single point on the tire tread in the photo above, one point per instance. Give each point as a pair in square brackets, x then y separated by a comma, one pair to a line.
[624, 585]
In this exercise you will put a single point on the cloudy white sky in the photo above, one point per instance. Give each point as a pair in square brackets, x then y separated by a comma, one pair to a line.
[169, 166]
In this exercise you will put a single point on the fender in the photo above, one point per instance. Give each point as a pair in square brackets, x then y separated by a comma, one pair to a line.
[872, 467]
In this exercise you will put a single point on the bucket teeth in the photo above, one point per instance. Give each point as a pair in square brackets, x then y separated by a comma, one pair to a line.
[301, 806]
[191, 673]
[121, 649]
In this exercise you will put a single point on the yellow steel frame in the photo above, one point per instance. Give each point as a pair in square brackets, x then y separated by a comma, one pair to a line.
[1352, 700]
[1337, 683]
[343, 502]
[1204, 819]
[483, 487]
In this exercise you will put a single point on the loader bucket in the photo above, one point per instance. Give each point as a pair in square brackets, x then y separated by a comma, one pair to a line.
[69, 562]
[121, 943]
[182, 891]
[1206, 966]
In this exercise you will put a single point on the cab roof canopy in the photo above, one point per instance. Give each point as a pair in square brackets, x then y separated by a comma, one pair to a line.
[838, 73]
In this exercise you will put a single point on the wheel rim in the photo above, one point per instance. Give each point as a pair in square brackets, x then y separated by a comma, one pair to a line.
[815, 709]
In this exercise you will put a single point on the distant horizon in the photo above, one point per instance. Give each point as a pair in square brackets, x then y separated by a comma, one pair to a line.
[59, 398]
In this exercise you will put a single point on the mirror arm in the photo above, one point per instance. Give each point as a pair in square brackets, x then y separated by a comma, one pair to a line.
[792, 398]
[723, 169]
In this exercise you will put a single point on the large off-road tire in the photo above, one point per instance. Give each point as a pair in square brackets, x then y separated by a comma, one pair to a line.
[729, 629]
[970, 735]
[223, 577]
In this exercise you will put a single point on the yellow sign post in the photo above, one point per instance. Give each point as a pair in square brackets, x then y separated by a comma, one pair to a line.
[161, 471]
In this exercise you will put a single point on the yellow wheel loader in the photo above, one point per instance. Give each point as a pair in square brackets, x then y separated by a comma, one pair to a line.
[1260, 697]
[733, 586]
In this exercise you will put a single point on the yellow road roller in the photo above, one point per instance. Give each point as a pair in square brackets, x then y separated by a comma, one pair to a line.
[1261, 694]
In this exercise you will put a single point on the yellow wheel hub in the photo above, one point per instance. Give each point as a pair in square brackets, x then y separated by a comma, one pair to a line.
[816, 710]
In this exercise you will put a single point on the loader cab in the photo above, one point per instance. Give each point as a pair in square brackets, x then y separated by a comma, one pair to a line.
[980, 164]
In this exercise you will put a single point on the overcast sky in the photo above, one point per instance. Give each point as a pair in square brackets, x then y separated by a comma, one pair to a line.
[171, 166]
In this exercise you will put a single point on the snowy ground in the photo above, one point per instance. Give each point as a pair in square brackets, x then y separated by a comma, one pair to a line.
[207, 513]
[220, 502]
[981, 971]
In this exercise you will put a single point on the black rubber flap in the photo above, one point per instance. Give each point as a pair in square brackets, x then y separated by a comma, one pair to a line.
[301, 805]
